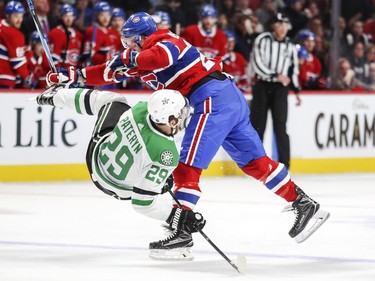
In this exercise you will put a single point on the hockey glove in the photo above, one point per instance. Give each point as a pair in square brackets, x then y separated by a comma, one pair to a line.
[129, 57]
[168, 184]
[186, 220]
[117, 71]
[64, 76]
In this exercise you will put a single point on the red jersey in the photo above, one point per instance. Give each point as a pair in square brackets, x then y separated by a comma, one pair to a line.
[235, 64]
[65, 53]
[116, 40]
[38, 68]
[97, 45]
[210, 44]
[369, 28]
[166, 61]
[12, 55]
[310, 71]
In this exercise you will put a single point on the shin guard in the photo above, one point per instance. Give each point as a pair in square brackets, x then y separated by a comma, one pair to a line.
[186, 179]
[273, 175]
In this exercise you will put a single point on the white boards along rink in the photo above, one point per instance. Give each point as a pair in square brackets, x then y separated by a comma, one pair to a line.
[329, 133]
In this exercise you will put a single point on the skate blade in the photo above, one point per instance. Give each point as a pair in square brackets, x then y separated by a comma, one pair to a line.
[179, 254]
[316, 221]
[287, 208]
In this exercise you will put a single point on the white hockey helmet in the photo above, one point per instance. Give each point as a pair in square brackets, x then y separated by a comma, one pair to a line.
[165, 103]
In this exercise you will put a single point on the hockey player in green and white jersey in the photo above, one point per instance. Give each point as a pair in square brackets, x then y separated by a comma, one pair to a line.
[132, 152]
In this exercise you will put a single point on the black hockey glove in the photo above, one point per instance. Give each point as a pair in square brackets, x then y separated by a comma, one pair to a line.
[186, 220]
[168, 184]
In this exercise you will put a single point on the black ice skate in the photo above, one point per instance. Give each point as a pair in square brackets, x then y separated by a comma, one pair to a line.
[176, 247]
[47, 96]
[309, 217]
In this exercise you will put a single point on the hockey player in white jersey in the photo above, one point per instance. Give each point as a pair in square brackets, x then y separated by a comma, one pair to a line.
[132, 152]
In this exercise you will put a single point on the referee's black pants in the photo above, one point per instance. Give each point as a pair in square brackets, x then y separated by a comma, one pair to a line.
[273, 96]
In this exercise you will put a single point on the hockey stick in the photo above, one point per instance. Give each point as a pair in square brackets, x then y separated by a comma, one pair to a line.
[241, 260]
[41, 35]
[92, 43]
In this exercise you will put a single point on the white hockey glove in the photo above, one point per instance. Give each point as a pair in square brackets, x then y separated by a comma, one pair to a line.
[64, 76]
[186, 220]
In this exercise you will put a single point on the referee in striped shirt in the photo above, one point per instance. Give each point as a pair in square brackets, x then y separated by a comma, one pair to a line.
[275, 63]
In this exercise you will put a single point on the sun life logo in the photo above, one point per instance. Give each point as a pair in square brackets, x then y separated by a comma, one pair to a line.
[167, 157]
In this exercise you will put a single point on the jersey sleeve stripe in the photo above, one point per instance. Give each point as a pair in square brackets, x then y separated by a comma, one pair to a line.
[142, 202]
[185, 69]
[144, 192]
[87, 102]
[17, 63]
[76, 100]
[169, 55]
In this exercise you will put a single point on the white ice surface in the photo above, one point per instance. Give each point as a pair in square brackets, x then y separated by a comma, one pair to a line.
[72, 231]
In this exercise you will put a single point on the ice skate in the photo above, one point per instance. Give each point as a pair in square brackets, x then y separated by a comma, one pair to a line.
[47, 96]
[309, 216]
[176, 247]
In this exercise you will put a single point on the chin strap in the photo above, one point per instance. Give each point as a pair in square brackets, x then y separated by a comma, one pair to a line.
[174, 129]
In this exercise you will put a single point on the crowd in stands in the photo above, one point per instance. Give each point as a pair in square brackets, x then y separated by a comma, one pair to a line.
[88, 32]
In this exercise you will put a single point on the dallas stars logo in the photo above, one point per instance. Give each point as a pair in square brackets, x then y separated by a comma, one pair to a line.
[165, 101]
[167, 157]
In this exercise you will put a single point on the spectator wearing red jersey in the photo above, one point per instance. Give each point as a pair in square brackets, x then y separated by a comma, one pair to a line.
[311, 68]
[98, 47]
[205, 35]
[12, 46]
[235, 64]
[118, 20]
[369, 26]
[37, 63]
[66, 40]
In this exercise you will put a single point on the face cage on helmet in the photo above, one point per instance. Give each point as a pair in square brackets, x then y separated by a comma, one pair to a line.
[129, 42]
[185, 111]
